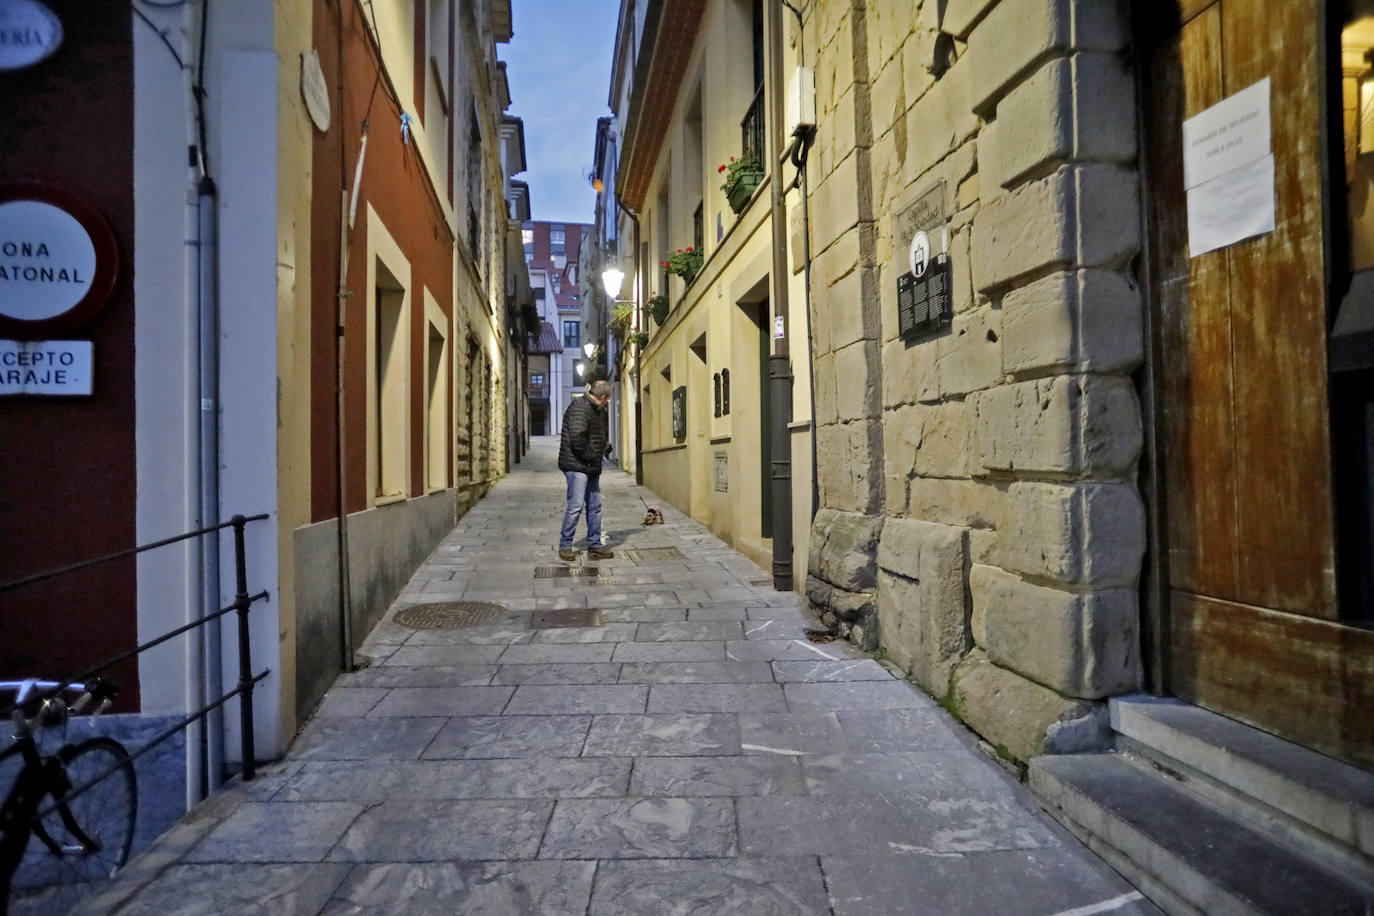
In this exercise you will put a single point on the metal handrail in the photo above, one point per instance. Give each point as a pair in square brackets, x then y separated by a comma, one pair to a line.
[241, 605]
[752, 127]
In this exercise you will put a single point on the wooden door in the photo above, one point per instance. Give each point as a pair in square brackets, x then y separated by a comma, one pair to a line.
[1250, 618]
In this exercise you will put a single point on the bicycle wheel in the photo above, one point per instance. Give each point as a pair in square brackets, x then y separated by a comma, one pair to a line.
[83, 841]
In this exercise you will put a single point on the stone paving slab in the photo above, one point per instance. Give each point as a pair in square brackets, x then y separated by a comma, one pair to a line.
[694, 752]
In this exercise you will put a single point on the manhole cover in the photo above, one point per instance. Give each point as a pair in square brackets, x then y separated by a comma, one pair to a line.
[567, 617]
[564, 572]
[653, 554]
[448, 615]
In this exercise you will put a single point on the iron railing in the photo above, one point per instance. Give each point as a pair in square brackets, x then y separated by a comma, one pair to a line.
[752, 127]
[241, 605]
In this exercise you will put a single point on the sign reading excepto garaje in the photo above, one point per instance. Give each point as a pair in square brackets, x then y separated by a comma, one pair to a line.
[45, 367]
[29, 33]
[58, 260]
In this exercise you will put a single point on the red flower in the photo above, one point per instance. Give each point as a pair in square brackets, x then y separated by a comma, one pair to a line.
[721, 169]
[689, 249]
[679, 251]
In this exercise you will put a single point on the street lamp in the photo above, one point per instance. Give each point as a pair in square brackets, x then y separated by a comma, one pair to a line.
[589, 348]
[611, 278]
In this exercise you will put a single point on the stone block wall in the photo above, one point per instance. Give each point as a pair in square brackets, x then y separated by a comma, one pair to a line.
[981, 520]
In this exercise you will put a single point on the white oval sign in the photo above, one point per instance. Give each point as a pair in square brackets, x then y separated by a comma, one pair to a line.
[314, 89]
[919, 254]
[29, 33]
[47, 260]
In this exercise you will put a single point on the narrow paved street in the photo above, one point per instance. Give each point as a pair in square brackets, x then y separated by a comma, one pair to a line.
[691, 752]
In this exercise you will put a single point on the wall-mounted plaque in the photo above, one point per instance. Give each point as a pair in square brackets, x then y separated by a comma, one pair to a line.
[29, 34]
[680, 412]
[58, 260]
[722, 478]
[921, 264]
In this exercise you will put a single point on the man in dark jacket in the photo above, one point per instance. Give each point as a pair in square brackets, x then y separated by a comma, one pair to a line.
[580, 450]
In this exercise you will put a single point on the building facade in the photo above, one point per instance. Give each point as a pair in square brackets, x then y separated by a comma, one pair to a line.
[314, 321]
[1090, 323]
[553, 254]
[722, 380]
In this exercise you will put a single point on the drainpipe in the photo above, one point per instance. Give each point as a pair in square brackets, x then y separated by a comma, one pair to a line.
[207, 294]
[640, 299]
[780, 364]
[801, 145]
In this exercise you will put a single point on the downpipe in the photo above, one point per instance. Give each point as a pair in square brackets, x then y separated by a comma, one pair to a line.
[207, 313]
[780, 363]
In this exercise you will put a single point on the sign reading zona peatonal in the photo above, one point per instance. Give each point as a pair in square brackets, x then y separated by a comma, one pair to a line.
[58, 260]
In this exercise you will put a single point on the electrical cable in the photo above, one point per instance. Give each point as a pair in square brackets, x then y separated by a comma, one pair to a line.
[181, 65]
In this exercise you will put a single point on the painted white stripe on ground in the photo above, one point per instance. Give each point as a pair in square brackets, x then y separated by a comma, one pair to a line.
[1106, 906]
[771, 750]
[806, 645]
[924, 850]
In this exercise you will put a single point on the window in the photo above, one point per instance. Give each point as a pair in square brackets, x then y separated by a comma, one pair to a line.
[436, 395]
[556, 242]
[390, 383]
[536, 379]
[389, 387]
[572, 334]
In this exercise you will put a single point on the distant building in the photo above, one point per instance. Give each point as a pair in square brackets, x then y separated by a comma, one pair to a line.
[552, 254]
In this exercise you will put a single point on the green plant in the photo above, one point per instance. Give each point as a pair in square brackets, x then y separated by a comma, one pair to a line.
[639, 338]
[622, 316]
[736, 169]
[658, 308]
[685, 262]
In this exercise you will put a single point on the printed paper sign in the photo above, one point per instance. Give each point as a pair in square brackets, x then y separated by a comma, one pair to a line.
[1232, 133]
[1228, 171]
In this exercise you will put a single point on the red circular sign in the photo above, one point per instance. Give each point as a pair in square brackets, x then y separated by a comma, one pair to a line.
[58, 260]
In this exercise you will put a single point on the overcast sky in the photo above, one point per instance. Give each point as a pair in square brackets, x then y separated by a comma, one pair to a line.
[559, 66]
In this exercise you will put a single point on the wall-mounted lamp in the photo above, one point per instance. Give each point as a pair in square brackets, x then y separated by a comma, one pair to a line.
[611, 278]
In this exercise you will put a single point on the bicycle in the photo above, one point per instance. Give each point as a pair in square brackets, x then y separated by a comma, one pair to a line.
[52, 853]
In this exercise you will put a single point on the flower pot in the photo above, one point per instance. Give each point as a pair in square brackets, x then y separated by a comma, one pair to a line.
[743, 189]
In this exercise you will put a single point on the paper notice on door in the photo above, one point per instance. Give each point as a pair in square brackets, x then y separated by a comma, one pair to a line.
[1228, 171]
[1233, 206]
[1232, 133]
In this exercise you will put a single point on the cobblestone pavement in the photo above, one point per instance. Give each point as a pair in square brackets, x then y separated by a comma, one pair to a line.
[692, 752]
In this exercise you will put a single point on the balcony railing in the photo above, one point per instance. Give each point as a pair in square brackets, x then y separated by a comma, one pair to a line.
[752, 126]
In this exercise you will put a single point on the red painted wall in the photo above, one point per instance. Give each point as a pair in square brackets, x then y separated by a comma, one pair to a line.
[394, 181]
[67, 475]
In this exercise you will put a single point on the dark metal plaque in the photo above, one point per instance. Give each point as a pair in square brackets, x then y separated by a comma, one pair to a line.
[566, 617]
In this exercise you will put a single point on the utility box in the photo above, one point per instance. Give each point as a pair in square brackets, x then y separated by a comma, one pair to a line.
[801, 101]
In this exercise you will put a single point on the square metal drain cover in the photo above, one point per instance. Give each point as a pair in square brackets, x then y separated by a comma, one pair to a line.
[566, 617]
[564, 572]
[653, 554]
[448, 615]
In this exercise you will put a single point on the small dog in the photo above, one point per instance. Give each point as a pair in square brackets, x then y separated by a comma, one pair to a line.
[654, 516]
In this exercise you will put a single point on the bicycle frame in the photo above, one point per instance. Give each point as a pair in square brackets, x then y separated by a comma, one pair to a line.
[40, 775]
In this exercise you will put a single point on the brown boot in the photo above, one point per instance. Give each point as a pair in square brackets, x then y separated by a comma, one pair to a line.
[600, 553]
[568, 555]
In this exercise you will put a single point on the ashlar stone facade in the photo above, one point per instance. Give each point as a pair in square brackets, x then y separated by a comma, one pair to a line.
[980, 518]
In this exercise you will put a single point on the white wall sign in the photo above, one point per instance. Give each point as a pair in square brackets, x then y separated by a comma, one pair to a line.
[779, 327]
[45, 367]
[29, 33]
[314, 90]
[47, 260]
[59, 261]
[1228, 171]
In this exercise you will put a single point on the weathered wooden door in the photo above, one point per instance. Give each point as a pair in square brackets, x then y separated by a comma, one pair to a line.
[1250, 624]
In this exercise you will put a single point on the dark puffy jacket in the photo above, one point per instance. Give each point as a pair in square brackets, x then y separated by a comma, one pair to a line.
[583, 443]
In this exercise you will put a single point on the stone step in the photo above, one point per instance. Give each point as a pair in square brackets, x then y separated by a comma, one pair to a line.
[1318, 804]
[1184, 853]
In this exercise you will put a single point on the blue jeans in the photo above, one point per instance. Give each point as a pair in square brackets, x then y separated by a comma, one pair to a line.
[582, 489]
